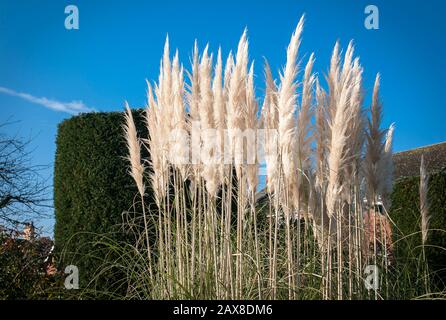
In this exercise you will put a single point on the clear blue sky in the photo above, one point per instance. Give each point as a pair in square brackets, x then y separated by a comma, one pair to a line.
[119, 45]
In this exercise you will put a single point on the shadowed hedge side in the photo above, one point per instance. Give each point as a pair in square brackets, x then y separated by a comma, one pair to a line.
[92, 189]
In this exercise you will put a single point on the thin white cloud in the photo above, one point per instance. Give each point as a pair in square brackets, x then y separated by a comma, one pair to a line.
[72, 107]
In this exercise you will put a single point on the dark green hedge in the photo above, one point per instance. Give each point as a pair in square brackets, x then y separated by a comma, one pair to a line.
[406, 214]
[92, 189]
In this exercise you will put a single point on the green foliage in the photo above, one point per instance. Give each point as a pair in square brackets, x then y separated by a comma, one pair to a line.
[22, 269]
[92, 190]
[406, 215]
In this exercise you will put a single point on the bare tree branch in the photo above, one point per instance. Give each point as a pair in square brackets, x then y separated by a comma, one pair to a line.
[24, 193]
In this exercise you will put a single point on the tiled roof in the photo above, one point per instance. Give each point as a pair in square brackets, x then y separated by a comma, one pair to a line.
[407, 163]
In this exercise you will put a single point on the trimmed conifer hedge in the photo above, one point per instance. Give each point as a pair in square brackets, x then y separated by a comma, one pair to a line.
[92, 189]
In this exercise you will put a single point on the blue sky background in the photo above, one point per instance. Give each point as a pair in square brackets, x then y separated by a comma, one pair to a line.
[119, 45]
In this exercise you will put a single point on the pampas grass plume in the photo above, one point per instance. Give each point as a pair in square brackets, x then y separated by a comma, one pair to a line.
[134, 149]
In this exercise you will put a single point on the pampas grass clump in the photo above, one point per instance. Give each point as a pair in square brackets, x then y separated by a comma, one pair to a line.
[323, 156]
